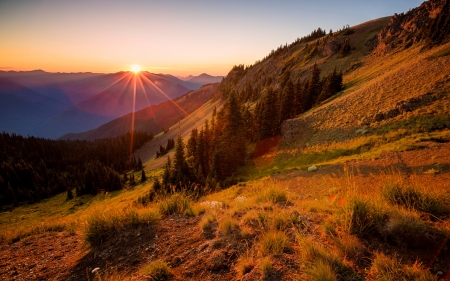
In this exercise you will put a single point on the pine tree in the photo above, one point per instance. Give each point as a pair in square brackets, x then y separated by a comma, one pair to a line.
[143, 176]
[313, 90]
[192, 143]
[287, 102]
[180, 167]
[69, 194]
[268, 115]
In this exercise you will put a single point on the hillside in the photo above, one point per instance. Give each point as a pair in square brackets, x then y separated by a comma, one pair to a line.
[153, 119]
[353, 186]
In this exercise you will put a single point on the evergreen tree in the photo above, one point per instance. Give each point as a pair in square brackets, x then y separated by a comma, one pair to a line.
[180, 167]
[192, 143]
[313, 89]
[287, 102]
[69, 194]
[143, 176]
[268, 116]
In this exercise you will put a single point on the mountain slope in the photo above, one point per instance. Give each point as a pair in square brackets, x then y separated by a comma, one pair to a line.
[152, 119]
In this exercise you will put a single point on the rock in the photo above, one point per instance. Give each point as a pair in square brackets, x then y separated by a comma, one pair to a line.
[95, 269]
[312, 168]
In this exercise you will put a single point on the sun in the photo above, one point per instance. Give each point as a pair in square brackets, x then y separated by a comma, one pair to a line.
[135, 68]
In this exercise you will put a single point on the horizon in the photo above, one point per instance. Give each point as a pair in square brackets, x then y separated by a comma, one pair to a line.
[171, 37]
[121, 71]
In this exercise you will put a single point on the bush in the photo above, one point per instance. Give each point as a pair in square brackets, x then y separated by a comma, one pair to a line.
[390, 268]
[177, 203]
[274, 242]
[158, 270]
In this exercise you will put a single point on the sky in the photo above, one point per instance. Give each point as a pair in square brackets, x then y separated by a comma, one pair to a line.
[177, 37]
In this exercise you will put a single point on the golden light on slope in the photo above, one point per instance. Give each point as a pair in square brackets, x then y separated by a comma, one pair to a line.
[135, 68]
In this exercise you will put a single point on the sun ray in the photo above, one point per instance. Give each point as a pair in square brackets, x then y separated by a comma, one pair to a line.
[162, 92]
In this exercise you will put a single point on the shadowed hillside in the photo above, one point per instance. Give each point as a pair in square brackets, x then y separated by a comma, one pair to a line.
[153, 119]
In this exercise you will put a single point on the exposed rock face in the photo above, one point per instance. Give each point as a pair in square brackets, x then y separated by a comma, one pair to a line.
[430, 21]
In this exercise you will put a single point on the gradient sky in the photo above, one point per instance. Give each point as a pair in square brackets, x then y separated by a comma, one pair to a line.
[179, 37]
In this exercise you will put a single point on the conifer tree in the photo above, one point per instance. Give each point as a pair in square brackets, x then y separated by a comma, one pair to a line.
[268, 115]
[313, 90]
[69, 194]
[143, 176]
[287, 102]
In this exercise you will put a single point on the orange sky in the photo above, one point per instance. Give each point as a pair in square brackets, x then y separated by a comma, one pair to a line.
[172, 36]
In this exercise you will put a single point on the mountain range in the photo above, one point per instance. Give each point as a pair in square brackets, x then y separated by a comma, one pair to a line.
[50, 105]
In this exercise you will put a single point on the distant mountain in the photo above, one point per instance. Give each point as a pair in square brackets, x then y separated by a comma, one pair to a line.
[52, 104]
[205, 79]
[152, 119]
[193, 82]
[18, 103]
[187, 84]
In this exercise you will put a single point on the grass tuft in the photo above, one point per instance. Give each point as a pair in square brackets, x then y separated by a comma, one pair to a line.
[267, 269]
[177, 203]
[41, 229]
[273, 194]
[390, 268]
[229, 227]
[321, 263]
[274, 242]
[100, 227]
[407, 228]
[360, 217]
[414, 198]
[158, 270]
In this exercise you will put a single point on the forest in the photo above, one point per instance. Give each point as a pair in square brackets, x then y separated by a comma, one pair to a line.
[32, 169]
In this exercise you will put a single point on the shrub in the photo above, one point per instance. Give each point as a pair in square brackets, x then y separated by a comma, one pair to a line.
[274, 242]
[415, 199]
[177, 203]
[158, 270]
[390, 268]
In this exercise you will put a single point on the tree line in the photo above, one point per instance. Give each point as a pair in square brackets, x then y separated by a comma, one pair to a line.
[32, 169]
